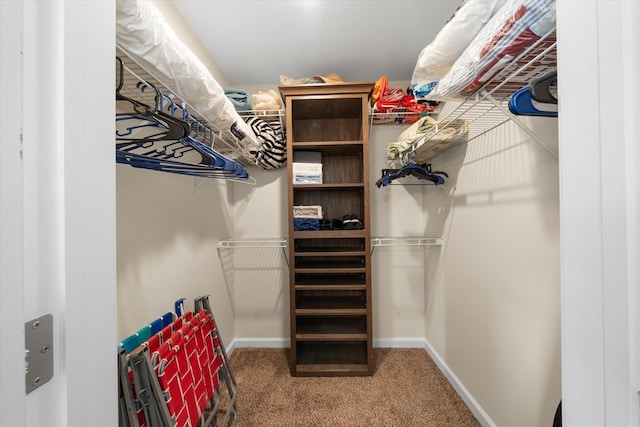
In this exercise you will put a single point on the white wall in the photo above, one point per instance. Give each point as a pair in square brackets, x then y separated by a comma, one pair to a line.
[261, 277]
[168, 226]
[397, 271]
[492, 305]
[261, 301]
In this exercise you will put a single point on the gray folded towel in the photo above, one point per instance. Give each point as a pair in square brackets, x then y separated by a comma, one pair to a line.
[241, 99]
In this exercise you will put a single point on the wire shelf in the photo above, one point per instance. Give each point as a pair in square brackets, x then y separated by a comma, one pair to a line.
[487, 108]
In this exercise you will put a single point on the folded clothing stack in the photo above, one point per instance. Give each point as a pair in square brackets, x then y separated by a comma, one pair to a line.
[307, 217]
[266, 100]
[240, 99]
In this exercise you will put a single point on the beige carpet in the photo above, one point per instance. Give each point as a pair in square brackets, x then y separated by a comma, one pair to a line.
[407, 389]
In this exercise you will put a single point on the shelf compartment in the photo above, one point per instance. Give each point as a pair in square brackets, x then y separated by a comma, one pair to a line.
[329, 263]
[335, 204]
[329, 186]
[318, 247]
[341, 168]
[332, 353]
[327, 328]
[330, 147]
[325, 119]
[329, 300]
[330, 279]
[328, 234]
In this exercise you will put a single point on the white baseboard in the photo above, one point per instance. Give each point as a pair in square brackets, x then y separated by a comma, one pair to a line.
[257, 343]
[473, 405]
[398, 342]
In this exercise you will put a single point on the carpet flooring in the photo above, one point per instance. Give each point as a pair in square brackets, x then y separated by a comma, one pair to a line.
[407, 389]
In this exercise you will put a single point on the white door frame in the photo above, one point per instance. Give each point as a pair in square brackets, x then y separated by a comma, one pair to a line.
[58, 208]
[599, 210]
[12, 404]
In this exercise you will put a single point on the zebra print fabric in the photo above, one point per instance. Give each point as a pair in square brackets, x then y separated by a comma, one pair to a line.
[273, 144]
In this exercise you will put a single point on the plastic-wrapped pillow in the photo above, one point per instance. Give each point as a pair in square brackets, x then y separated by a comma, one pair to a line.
[436, 59]
[515, 27]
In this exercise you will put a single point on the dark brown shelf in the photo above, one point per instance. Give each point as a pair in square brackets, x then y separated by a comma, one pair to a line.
[330, 279]
[329, 252]
[328, 234]
[332, 326]
[334, 264]
[332, 287]
[343, 186]
[329, 283]
[327, 370]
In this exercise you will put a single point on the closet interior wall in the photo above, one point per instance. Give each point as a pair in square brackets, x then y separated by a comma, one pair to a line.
[168, 226]
[485, 304]
[493, 296]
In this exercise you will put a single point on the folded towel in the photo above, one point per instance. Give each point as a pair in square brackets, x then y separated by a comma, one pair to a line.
[266, 100]
[240, 99]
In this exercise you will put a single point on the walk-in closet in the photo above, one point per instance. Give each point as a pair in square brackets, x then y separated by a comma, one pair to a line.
[319, 213]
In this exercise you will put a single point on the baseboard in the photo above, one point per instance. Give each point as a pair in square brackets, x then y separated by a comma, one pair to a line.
[468, 399]
[257, 343]
[282, 343]
[398, 342]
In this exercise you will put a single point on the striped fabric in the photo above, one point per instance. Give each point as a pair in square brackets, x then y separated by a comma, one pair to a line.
[273, 144]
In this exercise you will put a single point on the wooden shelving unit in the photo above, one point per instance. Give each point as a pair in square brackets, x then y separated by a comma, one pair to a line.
[330, 271]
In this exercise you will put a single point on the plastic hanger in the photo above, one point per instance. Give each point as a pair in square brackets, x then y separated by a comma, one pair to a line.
[420, 171]
[540, 88]
[521, 103]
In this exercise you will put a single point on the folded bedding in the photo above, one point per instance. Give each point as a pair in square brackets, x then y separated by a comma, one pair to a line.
[241, 99]
[436, 59]
[516, 26]
[268, 100]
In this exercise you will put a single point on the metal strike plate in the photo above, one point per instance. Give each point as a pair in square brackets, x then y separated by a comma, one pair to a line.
[38, 337]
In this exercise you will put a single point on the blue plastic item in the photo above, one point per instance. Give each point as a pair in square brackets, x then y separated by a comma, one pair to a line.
[130, 343]
[179, 305]
[521, 103]
[156, 326]
[167, 319]
[144, 334]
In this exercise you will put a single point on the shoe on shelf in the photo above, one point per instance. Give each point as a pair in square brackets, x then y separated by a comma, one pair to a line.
[355, 223]
[347, 224]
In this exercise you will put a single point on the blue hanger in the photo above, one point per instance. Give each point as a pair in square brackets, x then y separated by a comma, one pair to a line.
[520, 103]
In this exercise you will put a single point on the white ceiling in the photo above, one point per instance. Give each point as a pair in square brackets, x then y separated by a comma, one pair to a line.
[255, 41]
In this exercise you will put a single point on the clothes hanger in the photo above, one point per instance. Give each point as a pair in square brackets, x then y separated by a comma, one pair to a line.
[520, 103]
[420, 171]
[540, 88]
[171, 128]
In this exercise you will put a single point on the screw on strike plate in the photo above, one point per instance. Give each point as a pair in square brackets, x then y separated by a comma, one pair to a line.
[35, 324]
[45, 349]
[36, 381]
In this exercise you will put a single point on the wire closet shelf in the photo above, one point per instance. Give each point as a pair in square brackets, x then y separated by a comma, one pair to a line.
[207, 152]
[487, 108]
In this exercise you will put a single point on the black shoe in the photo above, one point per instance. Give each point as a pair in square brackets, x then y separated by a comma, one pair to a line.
[355, 223]
[347, 224]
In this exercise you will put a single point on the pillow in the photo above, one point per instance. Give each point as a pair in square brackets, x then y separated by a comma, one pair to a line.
[436, 59]
[515, 27]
